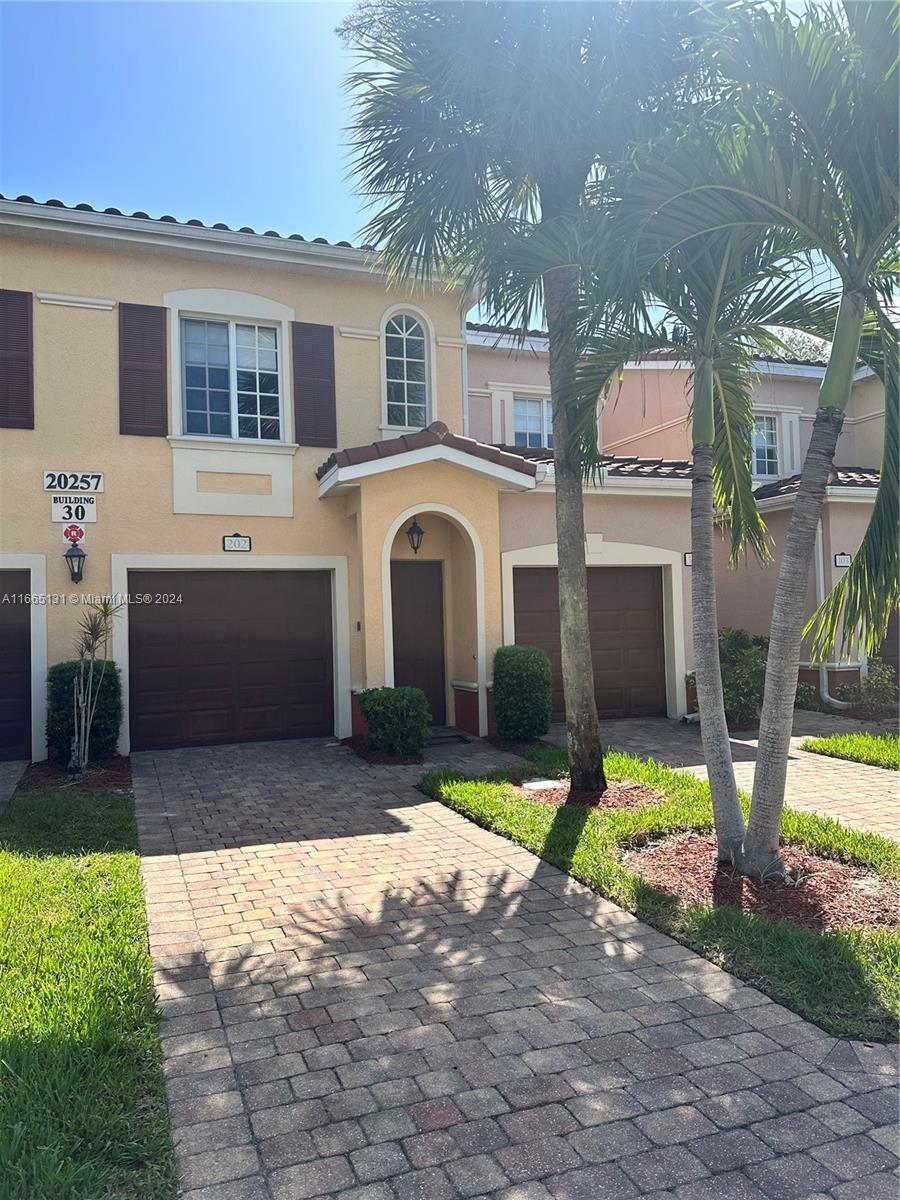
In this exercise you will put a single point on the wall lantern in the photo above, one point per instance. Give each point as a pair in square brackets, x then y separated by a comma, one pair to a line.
[414, 535]
[75, 557]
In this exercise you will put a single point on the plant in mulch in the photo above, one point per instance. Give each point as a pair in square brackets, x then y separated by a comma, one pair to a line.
[742, 657]
[830, 957]
[397, 720]
[522, 693]
[63, 719]
[874, 696]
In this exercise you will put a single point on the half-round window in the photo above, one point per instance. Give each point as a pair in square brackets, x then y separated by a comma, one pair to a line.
[406, 370]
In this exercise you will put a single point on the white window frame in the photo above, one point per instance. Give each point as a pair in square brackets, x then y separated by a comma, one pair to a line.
[408, 310]
[546, 420]
[242, 308]
[776, 429]
[231, 324]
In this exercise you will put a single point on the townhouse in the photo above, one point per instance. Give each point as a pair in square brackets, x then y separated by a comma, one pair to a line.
[300, 481]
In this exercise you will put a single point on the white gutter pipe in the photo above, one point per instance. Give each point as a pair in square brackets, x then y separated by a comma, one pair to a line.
[465, 376]
[820, 596]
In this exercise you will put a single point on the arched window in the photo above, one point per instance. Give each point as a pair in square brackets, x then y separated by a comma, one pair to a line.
[406, 371]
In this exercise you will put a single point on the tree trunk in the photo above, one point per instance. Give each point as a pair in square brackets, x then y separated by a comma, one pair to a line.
[729, 820]
[761, 852]
[582, 723]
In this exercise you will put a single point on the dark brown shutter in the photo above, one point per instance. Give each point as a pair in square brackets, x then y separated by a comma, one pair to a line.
[16, 361]
[315, 420]
[143, 398]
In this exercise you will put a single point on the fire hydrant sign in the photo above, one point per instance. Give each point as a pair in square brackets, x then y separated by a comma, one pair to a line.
[73, 533]
[74, 506]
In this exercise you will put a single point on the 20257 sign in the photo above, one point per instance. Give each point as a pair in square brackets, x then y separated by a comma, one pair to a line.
[73, 481]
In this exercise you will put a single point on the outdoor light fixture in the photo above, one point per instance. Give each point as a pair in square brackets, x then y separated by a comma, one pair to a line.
[414, 534]
[75, 557]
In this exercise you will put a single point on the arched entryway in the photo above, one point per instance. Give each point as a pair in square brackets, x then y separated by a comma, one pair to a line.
[434, 631]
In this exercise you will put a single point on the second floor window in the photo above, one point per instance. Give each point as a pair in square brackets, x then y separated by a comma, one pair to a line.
[405, 367]
[532, 423]
[231, 380]
[765, 446]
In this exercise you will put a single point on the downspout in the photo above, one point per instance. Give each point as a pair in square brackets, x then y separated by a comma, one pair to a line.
[820, 596]
[465, 376]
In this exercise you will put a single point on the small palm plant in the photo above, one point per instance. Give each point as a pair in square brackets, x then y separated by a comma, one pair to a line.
[91, 648]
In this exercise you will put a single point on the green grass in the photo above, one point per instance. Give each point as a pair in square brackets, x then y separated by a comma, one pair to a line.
[82, 1110]
[846, 982]
[876, 749]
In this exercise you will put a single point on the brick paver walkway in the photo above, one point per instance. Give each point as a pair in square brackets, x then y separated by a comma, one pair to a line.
[859, 795]
[365, 996]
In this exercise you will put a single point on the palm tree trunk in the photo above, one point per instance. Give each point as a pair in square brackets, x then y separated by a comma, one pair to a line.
[729, 820]
[761, 852]
[582, 723]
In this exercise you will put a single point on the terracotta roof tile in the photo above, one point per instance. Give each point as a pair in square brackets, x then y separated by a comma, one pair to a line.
[617, 465]
[436, 434]
[864, 477]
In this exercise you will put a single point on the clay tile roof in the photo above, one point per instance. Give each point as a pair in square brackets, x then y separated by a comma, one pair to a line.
[436, 434]
[617, 465]
[856, 477]
[170, 220]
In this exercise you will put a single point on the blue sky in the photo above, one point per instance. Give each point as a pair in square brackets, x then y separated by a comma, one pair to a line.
[228, 112]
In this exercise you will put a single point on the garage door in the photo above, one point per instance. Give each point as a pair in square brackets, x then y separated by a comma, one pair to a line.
[15, 666]
[626, 623]
[244, 656]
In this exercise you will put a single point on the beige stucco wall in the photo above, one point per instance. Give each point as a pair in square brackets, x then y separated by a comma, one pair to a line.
[511, 369]
[865, 415]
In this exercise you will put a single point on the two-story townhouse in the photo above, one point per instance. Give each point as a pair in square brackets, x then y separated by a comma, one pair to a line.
[275, 459]
[646, 416]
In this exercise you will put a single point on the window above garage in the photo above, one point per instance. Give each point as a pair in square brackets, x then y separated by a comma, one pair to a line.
[231, 379]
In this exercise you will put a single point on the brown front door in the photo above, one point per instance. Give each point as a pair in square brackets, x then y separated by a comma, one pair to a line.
[15, 665]
[626, 624]
[417, 597]
[229, 656]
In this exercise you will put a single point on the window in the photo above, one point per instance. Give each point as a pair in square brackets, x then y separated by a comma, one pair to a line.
[405, 368]
[765, 446]
[231, 380]
[532, 423]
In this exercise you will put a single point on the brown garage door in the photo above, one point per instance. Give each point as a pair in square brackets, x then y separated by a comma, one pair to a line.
[15, 666]
[626, 623]
[245, 656]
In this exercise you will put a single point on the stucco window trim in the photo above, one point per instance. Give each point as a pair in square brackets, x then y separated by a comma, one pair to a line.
[418, 314]
[36, 564]
[121, 564]
[600, 553]
[467, 528]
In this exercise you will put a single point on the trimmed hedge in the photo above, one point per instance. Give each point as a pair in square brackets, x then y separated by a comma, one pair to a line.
[397, 719]
[61, 718]
[521, 693]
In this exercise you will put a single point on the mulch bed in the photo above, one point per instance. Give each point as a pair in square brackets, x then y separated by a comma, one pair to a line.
[357, 744]
[617, 795]
[823, 894]
[114, 772]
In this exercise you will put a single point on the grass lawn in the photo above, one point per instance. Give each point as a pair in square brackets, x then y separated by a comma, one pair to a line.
[82, 1111]
[876, 749]
[847, 982]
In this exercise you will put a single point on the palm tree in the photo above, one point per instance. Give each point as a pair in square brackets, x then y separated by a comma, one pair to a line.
[807, 141]
[476, 126]
[718, 300]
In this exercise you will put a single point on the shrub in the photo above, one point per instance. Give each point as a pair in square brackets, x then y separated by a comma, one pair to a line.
[809, 700]
[743, 660]
[874, 696]
[397, 719]
[521, 693]
[61, 719]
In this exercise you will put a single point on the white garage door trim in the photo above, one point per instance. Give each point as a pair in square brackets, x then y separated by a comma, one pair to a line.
[600, 553]
[37, 565]
[340, 613]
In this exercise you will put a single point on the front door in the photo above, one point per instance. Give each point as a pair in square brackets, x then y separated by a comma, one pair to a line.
[417, 596]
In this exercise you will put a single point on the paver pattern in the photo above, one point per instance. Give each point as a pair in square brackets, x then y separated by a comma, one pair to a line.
[860, 795]
[365, 996]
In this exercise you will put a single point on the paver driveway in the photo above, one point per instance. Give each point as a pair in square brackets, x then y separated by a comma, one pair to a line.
[365, 996]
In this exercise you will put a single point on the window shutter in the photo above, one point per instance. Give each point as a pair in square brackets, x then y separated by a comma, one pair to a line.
[315, 419]
[143, 391]
[16, 361]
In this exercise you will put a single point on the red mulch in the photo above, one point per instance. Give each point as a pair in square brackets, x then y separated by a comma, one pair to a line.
[822, 893]
[617, 795]
[113, 772]
[357, 744]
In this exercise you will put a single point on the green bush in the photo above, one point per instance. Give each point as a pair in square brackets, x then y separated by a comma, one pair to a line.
[742, 657]
[809, 700]
[60, 712]
[397, 719]
[521, 693]
[874, 696]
